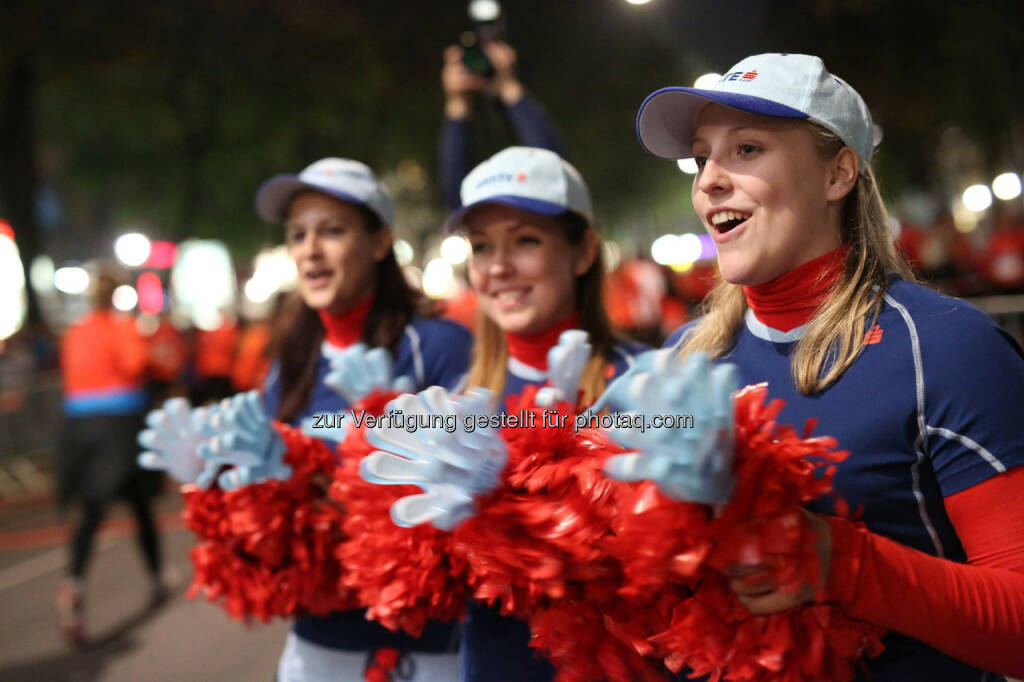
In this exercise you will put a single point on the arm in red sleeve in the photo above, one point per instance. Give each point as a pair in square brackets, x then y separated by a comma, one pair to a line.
[973, 612]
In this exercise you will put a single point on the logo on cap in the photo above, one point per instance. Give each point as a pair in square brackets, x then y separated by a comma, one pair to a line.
[739, 75]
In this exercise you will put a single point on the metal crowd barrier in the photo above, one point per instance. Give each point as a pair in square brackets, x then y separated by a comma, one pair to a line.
[30, 415]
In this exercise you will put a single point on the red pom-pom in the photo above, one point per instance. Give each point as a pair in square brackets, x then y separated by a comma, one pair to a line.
[268, 549]
[404, 576]
[661, 543]
[537, 550]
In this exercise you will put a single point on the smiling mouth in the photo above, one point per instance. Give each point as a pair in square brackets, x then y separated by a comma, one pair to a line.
[509, 297]
[728, 220]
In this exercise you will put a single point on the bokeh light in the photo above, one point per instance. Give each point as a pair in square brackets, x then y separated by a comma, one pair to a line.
[132, 249]
[1006, 186]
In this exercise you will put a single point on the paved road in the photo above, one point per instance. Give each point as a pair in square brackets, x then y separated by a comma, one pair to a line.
[180, 642]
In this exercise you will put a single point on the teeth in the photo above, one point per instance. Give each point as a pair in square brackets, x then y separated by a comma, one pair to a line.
[508, 295]
[726, 216]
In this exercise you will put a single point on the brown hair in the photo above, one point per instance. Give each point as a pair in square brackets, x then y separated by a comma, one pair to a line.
[490, 353]
[835, 334]
[299, 333]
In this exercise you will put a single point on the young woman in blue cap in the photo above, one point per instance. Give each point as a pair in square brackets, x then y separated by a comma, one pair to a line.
[922, 389]
[337, 220]
[537, 270]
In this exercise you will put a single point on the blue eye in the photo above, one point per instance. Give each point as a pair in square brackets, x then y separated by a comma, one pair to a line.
[701, 161]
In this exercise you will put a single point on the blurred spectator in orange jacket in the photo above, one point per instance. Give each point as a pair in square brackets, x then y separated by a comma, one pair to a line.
[215, 358]
[253, 361]
[103, 358]
[167, 355]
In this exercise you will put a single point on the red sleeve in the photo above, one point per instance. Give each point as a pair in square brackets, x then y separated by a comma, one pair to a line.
[973, 612]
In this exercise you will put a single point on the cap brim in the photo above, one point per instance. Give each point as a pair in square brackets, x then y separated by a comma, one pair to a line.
[667, 119]
[524, 203]
[275, 195]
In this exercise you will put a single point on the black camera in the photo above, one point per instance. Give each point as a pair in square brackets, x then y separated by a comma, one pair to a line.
[488, 26]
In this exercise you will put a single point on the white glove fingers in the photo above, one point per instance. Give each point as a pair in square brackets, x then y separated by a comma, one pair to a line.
[151, 440]
[437, 401]
[178, 413]
[389, 469]
[151, 461]
[254, 408]
[445, 513]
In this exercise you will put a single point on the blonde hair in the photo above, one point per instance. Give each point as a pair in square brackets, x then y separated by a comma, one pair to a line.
[489, 366]
[835, 335]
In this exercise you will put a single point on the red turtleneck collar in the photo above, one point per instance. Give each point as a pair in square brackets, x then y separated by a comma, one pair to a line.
[789, 300]
[347, 328]
[532, 349]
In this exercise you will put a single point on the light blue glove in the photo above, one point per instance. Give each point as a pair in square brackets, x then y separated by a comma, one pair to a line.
[173, 438]
[687, 464]
[358, 371]
[565, 367]
[452, 466]
[355, 372]
[244, 438]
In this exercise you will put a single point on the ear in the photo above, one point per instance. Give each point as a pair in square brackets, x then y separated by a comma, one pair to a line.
[586, 252]
[383, 242]
[842, 176]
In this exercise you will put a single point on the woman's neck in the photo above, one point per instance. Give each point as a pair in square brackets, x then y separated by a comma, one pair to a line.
[532, 349]
[345, 329]
[789, 301]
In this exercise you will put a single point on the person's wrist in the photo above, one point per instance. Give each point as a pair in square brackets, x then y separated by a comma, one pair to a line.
[848, 543]
[510, 90]
[456, 107]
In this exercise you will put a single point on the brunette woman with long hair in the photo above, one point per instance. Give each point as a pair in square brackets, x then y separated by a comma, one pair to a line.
[337, 220]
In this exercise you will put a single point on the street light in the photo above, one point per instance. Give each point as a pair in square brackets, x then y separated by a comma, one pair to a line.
[1006, 186]
[483, 11]
[71, 280]
[12, 283]
[438, 278]
[665, 249]
[977, 198]
[455, 250]
[403, 252]
[132, 249]
[125, 298]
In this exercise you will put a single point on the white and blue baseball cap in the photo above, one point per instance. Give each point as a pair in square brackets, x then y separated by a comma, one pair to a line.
[783, 85]
[528, 178]
[343, 179]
